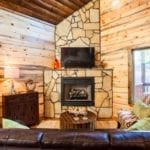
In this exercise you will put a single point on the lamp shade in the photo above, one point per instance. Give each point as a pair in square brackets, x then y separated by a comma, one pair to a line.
[11, 72]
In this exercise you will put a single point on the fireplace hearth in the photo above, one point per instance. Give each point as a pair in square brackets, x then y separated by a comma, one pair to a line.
[77, 91]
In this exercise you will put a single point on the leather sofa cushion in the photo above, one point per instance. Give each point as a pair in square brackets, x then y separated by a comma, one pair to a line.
[76, 140]
[129, 140]
[146, 136]
[92, 140]
[24, 138]
[3, 137]
[61, 139]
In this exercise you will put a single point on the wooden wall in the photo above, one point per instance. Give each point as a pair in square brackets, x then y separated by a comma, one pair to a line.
[25, 41]
[123, 29]
[28, 44]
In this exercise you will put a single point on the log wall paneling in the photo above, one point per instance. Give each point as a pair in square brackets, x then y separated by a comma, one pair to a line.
[28, 44]
[25, 41]
[123, 29]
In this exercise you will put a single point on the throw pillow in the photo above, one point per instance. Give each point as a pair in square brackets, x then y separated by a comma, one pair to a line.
[7, 123]
[126, 118]
[143, 124]
[141, 110]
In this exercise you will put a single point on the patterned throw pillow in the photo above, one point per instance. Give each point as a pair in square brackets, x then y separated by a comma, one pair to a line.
[126, 118]
[141, 109]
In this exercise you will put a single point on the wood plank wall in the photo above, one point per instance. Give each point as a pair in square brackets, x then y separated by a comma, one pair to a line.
[24, 40]
[28, 44]
[123, 29]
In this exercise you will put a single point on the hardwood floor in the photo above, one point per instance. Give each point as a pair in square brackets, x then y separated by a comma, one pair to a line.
[55, 123]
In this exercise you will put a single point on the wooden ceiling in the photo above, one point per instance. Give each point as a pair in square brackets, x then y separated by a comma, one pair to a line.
[52, 11]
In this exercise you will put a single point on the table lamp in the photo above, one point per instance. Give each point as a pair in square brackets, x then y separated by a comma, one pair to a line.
[11, 73]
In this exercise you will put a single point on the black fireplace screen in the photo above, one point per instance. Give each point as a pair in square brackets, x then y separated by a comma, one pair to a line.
[77, 91]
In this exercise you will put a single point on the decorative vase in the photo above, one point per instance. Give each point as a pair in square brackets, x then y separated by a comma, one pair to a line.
[56, 64]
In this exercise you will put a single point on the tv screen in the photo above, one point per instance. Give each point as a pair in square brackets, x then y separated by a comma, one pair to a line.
[77, 57]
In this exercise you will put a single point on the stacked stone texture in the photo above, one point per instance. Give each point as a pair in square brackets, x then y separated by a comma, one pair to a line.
[81, 29]
[103, 91]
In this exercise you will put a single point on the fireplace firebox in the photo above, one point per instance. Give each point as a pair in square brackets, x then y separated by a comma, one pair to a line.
[77, 91]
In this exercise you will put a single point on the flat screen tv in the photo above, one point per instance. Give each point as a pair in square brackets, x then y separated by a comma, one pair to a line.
[77, 57]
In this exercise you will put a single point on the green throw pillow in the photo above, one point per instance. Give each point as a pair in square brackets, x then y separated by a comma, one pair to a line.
[143, 124]
[141, 110]
[7, 123]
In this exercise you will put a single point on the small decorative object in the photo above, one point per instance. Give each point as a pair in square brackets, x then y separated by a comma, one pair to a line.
[102, 64]
[85, 118]
[76, 118]
[30, 85]
[85, 114]
[56, 64]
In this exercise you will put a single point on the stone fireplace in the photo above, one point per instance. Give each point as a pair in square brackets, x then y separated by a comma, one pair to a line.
[103, 95]
[77, 91]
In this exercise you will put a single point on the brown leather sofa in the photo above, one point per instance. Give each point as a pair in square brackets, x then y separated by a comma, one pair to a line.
[53, 139]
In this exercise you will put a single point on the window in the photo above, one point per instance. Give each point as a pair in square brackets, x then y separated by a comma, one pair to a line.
[141, 73]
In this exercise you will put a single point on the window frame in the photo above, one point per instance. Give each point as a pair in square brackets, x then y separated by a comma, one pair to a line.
[131, 100]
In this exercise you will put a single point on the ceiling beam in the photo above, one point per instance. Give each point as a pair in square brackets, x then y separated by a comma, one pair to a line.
[85, 1]
[59, 5]
[52, 11]
[29, 4]
[69, 4]
[49, 7]
[78, 2]
[9, 5]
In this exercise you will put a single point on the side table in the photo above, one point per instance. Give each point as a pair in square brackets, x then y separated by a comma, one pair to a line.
[67, 121]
